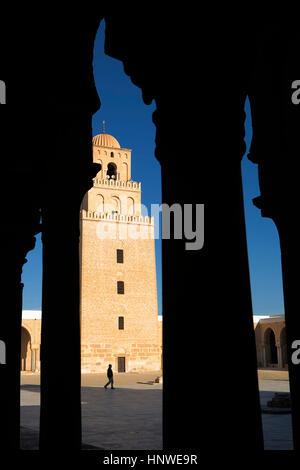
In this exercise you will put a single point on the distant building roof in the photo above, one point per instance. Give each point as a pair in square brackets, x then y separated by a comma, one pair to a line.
[31, 314]
[257, 318]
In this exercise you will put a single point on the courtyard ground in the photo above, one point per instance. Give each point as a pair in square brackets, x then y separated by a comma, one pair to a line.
[130, 417]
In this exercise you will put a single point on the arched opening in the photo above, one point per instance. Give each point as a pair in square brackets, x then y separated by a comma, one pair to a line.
[30, 364]
[130, 206]
[270, 347]
[110, 288]
[111, 171]
[100, 203]
[262, 239]
[125, 166]
[25, 350]
[116, 205]
[265, 270]
[100, 172]
[283, 347]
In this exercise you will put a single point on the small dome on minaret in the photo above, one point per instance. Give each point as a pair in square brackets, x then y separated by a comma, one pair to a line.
[105, 140]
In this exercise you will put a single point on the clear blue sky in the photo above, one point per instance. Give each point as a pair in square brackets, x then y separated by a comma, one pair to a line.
[263, 242]
[129, 120]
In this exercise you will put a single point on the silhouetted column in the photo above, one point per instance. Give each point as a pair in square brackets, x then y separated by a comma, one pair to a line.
[15, 248]
[199, 144]
[57, 55]
[60, 377]
[60, 418]
[10, 334]
[290, 260]
[275, 147]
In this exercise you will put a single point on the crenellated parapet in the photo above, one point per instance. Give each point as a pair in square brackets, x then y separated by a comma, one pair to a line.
[106, 183]
[109, 217]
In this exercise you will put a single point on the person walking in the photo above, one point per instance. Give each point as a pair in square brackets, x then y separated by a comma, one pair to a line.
[110, 376]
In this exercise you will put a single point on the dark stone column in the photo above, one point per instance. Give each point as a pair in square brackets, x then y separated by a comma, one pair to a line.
[17, 243]
[275, 148]
[19, 196]
[289, 242]
[209, 343]
[67, 170]
[60, 348]
[10, 333]
[198, 79]
[65, 186]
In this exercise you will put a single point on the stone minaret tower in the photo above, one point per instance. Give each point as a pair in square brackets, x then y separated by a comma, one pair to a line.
[118, 277]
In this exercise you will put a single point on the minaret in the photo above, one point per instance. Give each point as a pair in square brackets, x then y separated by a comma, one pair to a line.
[118, 275]
[113, 182]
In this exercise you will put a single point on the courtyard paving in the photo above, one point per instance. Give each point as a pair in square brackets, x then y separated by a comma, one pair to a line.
[130, 417]
[127, 418]
[277, 429]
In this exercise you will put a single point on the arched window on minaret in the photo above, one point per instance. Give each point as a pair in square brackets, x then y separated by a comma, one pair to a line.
[111, 171]
[100, 203]
[130, 206]
[112, 154]
[125, 166]
[99, 174]
[116, 205]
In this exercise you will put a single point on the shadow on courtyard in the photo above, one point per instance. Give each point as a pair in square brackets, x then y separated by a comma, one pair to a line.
[31, 388]
[131, 419]
[277, 428]
[120, 419]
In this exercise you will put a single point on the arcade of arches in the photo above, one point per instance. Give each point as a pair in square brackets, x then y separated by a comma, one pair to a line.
[30, 341]
[269, 335]
[270, 340]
